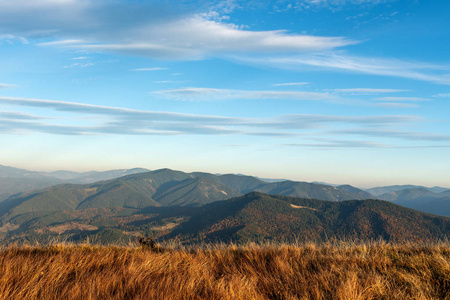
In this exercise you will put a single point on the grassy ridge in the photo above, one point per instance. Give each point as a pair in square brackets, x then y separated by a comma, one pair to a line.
[342, 271]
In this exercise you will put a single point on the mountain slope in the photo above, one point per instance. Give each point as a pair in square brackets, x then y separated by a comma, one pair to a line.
[306, 190]
[351, 189]
[15, 180]
[10, 186]
[195, 191]
[163, 187]
[405, 195]
[377, 191]
[160, 187]
[421, 199]
[258, 216]
[57, 198]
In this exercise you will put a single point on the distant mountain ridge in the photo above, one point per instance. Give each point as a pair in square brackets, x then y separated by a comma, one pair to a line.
[377, 191]
[71, 176]
[421, 199]
[163, 187]
[15, 180]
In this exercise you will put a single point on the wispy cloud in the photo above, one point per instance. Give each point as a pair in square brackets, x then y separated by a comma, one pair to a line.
[149, 69]
[368, 91]
[400, 99]
[365, 65]
[442, 96]
[333, 144]
[7, 86]
[114, 120]
[413, 136]
[291, 83]
[10, 38]
[162, 31]
[332, 4]
[396, 105]
[18, 116]
[61, 43]
[169, 81]
[79, 65]
[206, 94]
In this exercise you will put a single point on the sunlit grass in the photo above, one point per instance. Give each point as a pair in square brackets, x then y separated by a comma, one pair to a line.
[336, 270]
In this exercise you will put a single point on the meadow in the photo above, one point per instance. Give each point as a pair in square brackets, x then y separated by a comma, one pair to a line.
[334, 270]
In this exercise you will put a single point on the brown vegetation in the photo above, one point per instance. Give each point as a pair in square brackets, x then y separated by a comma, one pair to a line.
[332, 271]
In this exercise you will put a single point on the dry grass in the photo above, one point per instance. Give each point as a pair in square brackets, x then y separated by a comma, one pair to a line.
[339, 271]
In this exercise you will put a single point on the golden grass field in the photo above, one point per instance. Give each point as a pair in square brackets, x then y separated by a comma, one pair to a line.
[375, 270]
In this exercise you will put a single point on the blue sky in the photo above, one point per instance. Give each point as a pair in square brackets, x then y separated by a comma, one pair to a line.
[340, 91]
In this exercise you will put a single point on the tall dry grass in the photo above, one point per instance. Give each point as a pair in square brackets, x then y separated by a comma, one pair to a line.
[333, 271]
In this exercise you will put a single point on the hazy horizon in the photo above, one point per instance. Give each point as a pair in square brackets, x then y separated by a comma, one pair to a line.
[340, 91]
[235, 173]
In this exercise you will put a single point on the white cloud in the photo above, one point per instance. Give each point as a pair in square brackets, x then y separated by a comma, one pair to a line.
[115, 120]
[415, 136]
[79, 65]
[307, 4]
[149, 69]
[196, 37]
[205, 94]
[33, 3]
[291, 83]
[17, 116]
[368, 91]
[61, 43]
[162, 31]
[442, 96]
[330, 144]
[396, 105]
[6, 86]
[10, 38]
[169, 81]
[365, 65]
[407, 99]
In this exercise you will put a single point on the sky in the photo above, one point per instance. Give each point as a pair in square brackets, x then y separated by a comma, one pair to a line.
[337, 91]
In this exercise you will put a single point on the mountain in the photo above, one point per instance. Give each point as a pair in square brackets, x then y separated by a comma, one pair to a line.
[421, 199]
[158, 188]
[94, 176]
[258, 217]
[356, 191]
[195, 191]
[306, 190]
[11, 186]
[162, 188]
[406, 195]
[377, 191]
[11, 172]
[15, 180]
[253, 217]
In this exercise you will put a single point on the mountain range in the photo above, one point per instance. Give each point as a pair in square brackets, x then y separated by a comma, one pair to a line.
[207, 207]
[15, 180]
[162, 188]
[421, 199]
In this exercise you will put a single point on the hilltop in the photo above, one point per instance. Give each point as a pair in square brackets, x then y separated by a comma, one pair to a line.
[262, 217]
